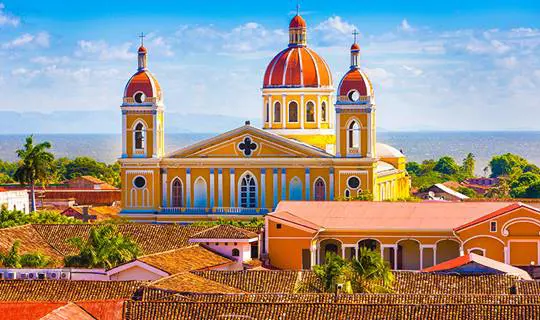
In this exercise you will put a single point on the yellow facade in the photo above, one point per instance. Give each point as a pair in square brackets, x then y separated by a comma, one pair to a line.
[305, 151]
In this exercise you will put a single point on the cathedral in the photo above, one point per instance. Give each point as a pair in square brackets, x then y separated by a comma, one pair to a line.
[316, 143]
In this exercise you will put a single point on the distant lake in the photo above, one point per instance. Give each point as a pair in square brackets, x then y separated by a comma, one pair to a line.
[416, 145]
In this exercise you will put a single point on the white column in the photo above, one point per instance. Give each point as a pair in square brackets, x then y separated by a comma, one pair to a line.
[124, 134]
[331, 184]
[308, 185]
[263, 188]
[318, 111]
[271, 111]
[302, 110]
[343, 251]
[275, 186]
[313, 252]
[164, 187]
[435, 255]
[232, 188]
[369, 135]
[284, 111]
[338, 135]
[220, 187]
[188, 187]
[506, 255]
[212, 188]
[283, 184]
[154, 136]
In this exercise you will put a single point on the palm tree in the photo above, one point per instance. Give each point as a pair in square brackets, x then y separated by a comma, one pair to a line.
[332, 272]
[35, 166]
[106, 247]
[371, 274]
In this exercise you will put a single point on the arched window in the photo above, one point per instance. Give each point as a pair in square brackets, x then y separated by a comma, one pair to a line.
[331, 248]
[248, 191]
[295, 189]
[323, 112]
[200, 200]
[310, 112]
[354, 135]
[320, 190]
[235, 252]
[267, 113]
[277, 112]
[293, 111]
[140, 136]
[347, 194]
[176, 193]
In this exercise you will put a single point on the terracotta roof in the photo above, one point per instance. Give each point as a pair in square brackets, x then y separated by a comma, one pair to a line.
[103, 309]
[68, 311]
[185, 259]
[355, 79]
[367, 215]
[188, 282]
[30, 240]
[357, 298]
[27, 310]
[461, 261]
[267, 281]
[151, 238]
[68, 290]
[316, 311]
[225, 232]
[528, 287]
[496, 213]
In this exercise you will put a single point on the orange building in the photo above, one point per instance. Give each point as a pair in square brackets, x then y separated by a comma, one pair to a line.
[409, 235]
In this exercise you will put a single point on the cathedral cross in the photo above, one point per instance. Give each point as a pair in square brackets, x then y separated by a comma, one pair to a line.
[247, 146]
[142, 36]
[355, 33]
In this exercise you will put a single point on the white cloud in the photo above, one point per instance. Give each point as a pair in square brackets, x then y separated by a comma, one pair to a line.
[333, 31]
[41, 39]
[7, 19]
[405, 26]
[101, 50]
[50, 60]
[413, 70]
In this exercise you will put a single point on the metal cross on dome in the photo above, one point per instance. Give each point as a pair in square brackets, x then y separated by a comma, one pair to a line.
[247, 146]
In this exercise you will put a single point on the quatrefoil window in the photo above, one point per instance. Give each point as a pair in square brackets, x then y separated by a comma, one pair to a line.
[247, 146]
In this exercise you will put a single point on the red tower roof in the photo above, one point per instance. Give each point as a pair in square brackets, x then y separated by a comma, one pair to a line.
[297, 22]
[297, 67]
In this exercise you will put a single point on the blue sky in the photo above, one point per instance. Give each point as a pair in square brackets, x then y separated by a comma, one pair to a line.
[459, 65]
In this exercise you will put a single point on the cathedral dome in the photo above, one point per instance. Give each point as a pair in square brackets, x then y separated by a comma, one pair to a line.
[355, 85]
[297, 66]
[142, 84]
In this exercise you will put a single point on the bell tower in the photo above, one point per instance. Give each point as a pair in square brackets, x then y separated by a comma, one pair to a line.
[142, 113]
[355, 111]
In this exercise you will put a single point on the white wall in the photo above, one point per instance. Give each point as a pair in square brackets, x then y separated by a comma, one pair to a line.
[15, 199]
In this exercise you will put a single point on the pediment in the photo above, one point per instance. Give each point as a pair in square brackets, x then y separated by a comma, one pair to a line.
[249, 142]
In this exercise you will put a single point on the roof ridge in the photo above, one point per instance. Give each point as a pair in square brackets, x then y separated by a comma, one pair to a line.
[55, 249]
[167, 251]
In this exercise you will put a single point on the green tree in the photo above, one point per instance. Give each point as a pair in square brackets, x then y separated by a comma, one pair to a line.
[446, 165]
[413, 168]
[12, 218]
[105, 247]
[252, 223]
[371, 273]
[506, 165]
[332, 272]
[533, 191]
[13, 259]
[35, 166]
[86, 166]
[468, 165]
[468, 192]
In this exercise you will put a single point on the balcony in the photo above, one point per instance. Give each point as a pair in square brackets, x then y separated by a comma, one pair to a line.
[215, 210]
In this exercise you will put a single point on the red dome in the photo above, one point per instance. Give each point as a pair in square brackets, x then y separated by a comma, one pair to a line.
[357, 80]
[355, 46]
[297, 22]
[142, 49]
[145, 82]
[297, 67]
